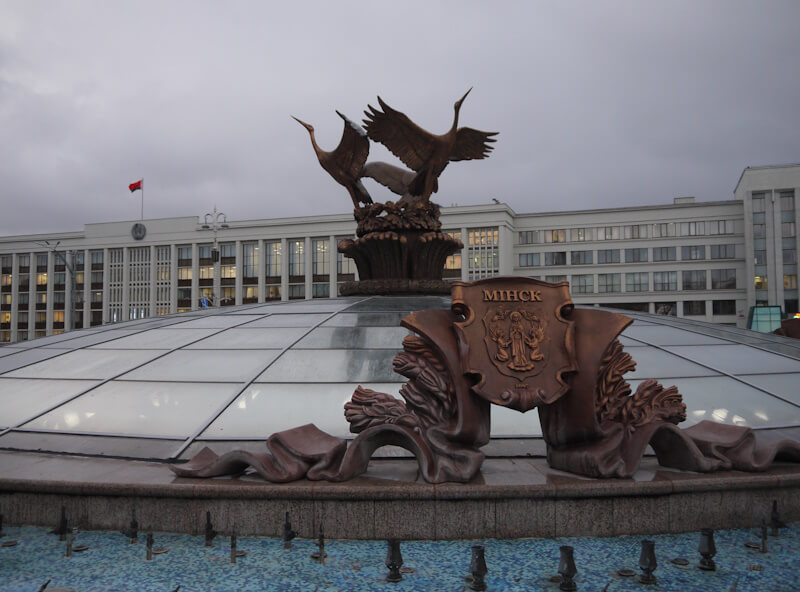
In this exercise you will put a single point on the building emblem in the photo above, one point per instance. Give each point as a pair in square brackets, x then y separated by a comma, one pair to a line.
[516, 339]
[138, 231]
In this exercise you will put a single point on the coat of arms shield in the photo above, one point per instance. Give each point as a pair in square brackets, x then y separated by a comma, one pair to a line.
[516, 339]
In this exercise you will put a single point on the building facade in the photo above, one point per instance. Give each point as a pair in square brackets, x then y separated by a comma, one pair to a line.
[707, 260]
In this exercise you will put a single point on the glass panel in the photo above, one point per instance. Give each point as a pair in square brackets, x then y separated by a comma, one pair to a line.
[140, 408]
[157, 338]
[670, 336]
[366, 319]
[21, 398]
[658, 364]
[264, 409]
[304, 307]
[400, 303]
[725, 400]
[274, 338]
[738, 359]
[211, 365]
[73, 341]
[7, 350]
[333, 365]
[217, 321]
[87, 364]
[355, 338]
[289, 320]
[783, 385]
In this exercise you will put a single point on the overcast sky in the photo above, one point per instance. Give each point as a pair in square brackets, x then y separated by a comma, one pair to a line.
[598, 104]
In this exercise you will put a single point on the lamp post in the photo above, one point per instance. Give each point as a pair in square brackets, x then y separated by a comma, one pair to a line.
[68, 321]
[214, 221]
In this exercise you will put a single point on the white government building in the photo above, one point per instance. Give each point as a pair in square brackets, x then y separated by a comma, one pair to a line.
[705, 260]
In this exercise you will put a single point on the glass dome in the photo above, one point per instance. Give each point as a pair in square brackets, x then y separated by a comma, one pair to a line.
[163, 387]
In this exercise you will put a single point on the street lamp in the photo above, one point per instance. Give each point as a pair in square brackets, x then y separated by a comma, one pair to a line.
[68, 321]
[214, 221]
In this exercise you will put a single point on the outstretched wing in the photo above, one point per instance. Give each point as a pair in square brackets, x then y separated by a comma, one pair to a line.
[353, 149]
[397, 179]
[404, 138]
[472, 144]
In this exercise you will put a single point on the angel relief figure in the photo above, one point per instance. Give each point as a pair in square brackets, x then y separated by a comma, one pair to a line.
[518, 345]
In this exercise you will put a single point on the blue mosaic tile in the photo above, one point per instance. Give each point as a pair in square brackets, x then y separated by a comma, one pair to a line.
[111, 563]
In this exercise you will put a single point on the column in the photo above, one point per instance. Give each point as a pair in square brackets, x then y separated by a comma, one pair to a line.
[239, 267]
[308, 270]
[106, 292]
[284, 270]
[68, 289]
[262, 270]
[333, 267]
[14, 308]
[153, 275]
[87, 288]
[126, 279]
[173, 278]
[464, 256]
[195, 276]
[51, 256]
[32, 295]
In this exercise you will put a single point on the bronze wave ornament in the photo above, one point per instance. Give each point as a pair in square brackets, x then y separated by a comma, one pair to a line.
[517, 343]
[399, 246]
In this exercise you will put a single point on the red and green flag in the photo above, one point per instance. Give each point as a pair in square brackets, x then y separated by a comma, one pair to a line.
[134, 186]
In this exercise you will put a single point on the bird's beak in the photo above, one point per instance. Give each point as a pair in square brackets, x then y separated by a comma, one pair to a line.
[465, 95]
[303, 123]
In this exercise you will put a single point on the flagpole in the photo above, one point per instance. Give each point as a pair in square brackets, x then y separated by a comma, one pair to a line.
[142, 196]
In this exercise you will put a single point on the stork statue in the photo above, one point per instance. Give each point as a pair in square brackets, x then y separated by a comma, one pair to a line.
[346, 162]
[425, 153]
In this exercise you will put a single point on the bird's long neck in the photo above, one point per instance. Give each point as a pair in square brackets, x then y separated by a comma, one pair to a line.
[455, 120]
[317, 149]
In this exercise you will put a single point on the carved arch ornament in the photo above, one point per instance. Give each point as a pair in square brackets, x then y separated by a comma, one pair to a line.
[518, 343]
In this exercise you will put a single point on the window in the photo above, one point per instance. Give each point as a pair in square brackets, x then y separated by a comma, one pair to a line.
[666, 308]
[452, 265]
[789, 256]
[608, 233]
[663, 229]
[204, 251]
[206, 272]
[693, 228]
[635, 255]
[720, 227]
[250, 260]
[555, 278]
[228, 251]
[97, 257]
[759, 218]
[272, 259]
[694, 308]
[581, 257]
[723, 279]
[663, 253]
[24, 260]
[637, 282]
[724, 307]
[580, 234]
[665, 281]
[320, 261]
[760, 257]
[41, 279]
[694, 280]
[528, 237]
[555, 236]
[790, 282]
[787, 200]
[758, 201]
[759, 230]
[609, 282]
[5, 279]
[5, 261]
[636, 231]
[227, 271]
[723, 251]
[582, 284]
[787, 229]
[555, 258]
[528, 259]
[607, 256]
[297, 259]
[41, 260]
[693, 252]
[185, 253]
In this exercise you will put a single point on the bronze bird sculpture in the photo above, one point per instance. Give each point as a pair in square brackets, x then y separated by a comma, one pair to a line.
[345, 163]
[425, 153]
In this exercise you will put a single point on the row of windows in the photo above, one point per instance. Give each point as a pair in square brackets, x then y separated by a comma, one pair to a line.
[639, 255]
[634, 231]
[721, 279]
